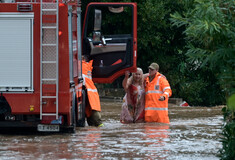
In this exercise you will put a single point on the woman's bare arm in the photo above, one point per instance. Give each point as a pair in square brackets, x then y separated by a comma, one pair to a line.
[126, 82]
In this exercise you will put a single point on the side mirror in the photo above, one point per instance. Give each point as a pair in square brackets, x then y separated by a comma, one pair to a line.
[97, 27]
[98, 19]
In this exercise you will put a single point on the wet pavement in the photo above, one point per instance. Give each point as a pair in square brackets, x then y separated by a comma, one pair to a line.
[193, 134]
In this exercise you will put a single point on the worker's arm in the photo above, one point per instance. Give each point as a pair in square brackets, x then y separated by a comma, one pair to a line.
[167, 92]
[145, 75]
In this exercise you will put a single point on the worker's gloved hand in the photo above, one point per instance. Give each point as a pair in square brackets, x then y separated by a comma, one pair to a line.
[162, 98]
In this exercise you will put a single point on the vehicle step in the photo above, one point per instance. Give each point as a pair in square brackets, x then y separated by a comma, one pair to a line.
[49, 10]
[49, 27]
[48, 96]
[49, 62]
[44, 44]
[47, 79]
[49, 114]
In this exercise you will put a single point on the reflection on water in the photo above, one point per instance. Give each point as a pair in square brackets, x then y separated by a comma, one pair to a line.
[185, 138]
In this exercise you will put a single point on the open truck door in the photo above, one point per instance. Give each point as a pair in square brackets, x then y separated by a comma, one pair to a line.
[110, 39]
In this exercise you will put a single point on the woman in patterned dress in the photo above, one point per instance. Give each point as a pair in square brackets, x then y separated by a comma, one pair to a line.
[133, 101]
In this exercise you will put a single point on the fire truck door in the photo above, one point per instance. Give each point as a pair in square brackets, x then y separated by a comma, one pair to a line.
[110, 39]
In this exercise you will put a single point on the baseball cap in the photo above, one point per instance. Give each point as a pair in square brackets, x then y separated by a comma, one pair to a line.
[154, 66]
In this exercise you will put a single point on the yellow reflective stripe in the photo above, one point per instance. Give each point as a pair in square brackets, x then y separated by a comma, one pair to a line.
[84, 79]
[154, 92]
[89, 73]
[166, 88]
[158, 80]
[86, 76]
[92, 90]
[156, 109]
[167, 94]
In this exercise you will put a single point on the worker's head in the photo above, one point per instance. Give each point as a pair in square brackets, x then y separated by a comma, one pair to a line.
[85, 58]
[153, 69]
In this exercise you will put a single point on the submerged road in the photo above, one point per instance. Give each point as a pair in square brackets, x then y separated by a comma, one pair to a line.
[193, 134]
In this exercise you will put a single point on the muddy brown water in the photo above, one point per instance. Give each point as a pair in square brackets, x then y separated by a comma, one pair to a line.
[193, 134]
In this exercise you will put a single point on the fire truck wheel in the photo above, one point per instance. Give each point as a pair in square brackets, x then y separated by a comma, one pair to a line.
[81, 121]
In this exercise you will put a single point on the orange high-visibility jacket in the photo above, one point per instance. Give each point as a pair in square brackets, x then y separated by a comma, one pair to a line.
[92, 92]
[155, 110]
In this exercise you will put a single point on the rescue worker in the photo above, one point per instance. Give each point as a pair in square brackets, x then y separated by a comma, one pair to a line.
[93, 107]
[157, 93]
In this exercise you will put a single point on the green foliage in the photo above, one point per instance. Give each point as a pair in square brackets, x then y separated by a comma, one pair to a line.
[159, 42]
[231, 102]
[228, 132]
[210, 42]
[210, 32]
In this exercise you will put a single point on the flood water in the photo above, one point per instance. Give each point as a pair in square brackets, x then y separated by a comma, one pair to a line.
[192, 135]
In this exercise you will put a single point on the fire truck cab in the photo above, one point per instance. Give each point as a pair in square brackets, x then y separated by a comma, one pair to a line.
[41, 48]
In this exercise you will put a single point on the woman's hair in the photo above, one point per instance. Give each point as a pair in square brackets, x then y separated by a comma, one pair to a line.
[141, 79]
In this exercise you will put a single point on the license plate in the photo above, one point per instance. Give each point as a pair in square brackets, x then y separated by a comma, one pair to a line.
[48, 128]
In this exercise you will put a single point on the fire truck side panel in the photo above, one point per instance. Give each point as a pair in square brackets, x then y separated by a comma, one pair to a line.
[63, 49]
[22, 105]
[21, 102]
[28, 103]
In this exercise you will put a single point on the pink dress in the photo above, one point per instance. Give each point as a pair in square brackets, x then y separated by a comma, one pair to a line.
[133, 105]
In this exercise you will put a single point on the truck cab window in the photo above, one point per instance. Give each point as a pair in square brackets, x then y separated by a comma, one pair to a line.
[108, 38]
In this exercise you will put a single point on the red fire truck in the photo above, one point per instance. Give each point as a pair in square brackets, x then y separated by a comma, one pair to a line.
[41, 45]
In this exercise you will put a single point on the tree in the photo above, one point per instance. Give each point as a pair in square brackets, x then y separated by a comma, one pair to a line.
[210, 32]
